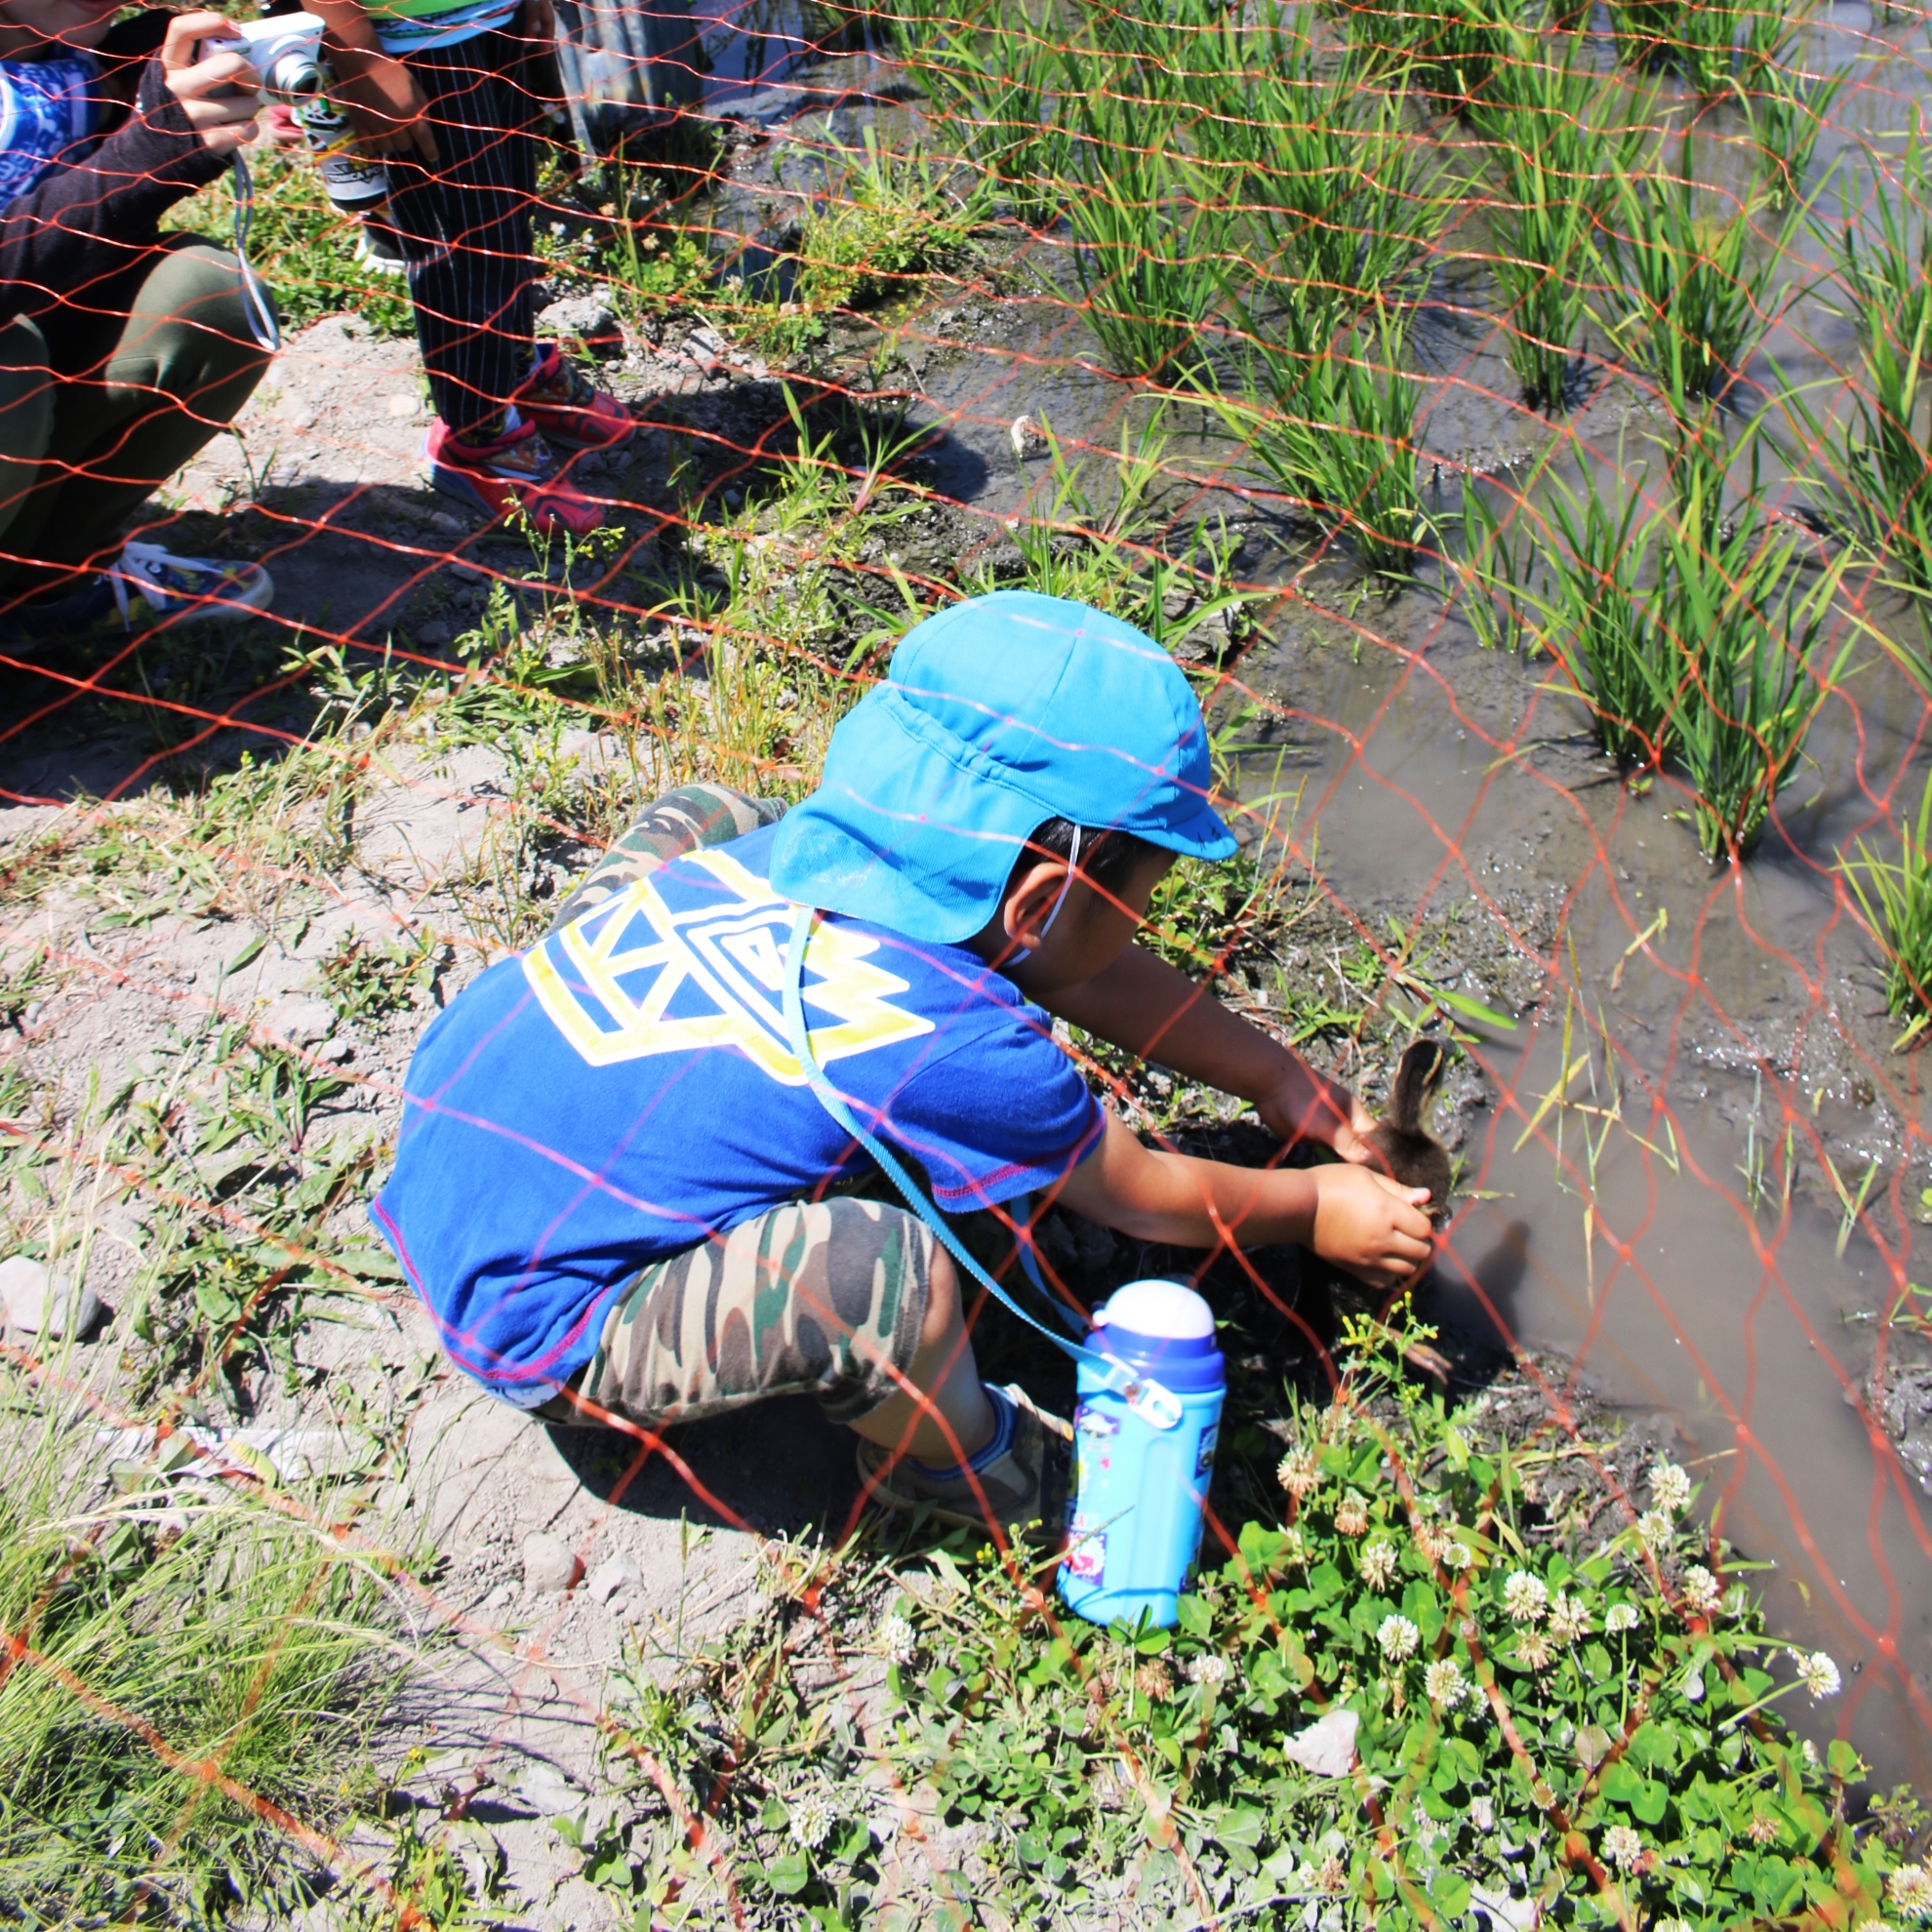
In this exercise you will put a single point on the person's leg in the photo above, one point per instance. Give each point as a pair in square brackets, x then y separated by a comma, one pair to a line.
[851, 1301]
[187, 361]
[26, 422]
[843, 1299]
[676, 823]
[465, 224]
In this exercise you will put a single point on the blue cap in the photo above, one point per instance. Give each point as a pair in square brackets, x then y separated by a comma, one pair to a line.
[999, 713]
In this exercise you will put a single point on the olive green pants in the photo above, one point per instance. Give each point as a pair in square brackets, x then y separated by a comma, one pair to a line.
[79, 455]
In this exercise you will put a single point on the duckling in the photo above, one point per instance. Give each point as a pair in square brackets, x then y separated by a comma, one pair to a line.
[1410, 1155]
[1402, 1145]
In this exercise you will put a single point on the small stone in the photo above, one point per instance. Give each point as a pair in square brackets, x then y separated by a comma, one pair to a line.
[549, 1564]
[38, 1302]
[587, 318]
[705, 340]
[500, 1597]
[400, 406]
[610, 1576]
[434, 633]
[299, 1019]
[546, 1791]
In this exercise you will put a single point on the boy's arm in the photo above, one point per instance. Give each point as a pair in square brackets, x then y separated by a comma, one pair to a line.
[384, 102]
[1352, 1216]
[1143, 1004]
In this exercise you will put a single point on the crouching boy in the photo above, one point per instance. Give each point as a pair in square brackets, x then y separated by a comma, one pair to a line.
[623, 1200]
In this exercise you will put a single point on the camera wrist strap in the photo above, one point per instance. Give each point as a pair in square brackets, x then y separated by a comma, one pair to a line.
[1147, 1398]
[260, 313]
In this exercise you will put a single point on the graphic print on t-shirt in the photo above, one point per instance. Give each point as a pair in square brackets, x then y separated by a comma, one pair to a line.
[634, 978]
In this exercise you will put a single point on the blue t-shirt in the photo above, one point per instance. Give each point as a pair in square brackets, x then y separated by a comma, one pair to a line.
[625, 1089]
[47, 114]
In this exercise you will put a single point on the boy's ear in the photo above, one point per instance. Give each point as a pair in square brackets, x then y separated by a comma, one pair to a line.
[1030, 902]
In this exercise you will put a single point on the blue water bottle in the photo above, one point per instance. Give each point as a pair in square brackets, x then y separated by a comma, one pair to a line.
[1140, 1488]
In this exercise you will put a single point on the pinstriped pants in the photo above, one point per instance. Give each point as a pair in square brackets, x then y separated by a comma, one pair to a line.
[465, 224]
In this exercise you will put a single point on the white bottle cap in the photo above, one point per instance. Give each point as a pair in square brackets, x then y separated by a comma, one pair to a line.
[1157, 1307]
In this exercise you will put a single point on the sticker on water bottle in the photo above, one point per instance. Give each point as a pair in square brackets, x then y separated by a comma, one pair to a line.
[1086, 1551]
[1096, 1423]
[1204, 1460]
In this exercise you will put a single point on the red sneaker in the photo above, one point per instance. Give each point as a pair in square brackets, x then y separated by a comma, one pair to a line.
[516, 472]
[569, 408]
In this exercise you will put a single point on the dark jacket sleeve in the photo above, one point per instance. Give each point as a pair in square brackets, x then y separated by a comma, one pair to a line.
[88, 221]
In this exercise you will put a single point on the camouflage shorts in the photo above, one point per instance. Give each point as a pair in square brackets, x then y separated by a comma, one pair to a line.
[822, 1298]
[678, 821]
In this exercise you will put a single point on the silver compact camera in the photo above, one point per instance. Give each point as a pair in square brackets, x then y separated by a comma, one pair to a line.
[285, 50]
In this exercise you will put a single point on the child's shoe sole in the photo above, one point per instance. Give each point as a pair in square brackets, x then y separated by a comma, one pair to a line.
[1025, 1491]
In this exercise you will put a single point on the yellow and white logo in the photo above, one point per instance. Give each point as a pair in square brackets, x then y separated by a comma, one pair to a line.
[634, 979]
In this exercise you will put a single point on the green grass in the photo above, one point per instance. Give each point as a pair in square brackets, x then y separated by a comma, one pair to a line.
[302, 247]
[1506, 1667]
[185, 1661]
[1895, 895]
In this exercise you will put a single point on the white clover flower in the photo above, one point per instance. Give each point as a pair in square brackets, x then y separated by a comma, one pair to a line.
[1623, 1848]
[1206, 1668]
[1569, 1618]
[1297, 1473]
[1482, 1813]
[1872, 1925]
[1351, 1514]
[1526, 1598]
[1910, 1889]
[1819, 1675]
[1397, 1637]
[1621, 1617]
[1762, 1830]
[1444, 1683]
[1534, 1651]
[1669, 1487]
[896, 1639]
[1294, 1546]
[1701, 1592]
[1654, 1529]
[811, 1822]
[1457, 1557]
[1378, 1564]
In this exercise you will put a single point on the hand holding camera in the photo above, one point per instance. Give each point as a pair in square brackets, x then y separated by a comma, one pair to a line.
[213, 80]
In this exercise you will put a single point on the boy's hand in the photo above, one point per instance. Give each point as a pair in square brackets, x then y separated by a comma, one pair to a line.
[207, 88]
[1365, 1222]
[384, 102]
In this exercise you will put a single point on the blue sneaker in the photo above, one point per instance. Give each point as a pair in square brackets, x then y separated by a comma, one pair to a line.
[146, 586]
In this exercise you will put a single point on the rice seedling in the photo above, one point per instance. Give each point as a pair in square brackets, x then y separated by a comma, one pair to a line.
[1896, 900]
[1465, 46]
[1884, 450]
[1696, 38]
[1149, 243]
[1693, 292]
[1558, 170]
[1336, 432]
[1599, 617]
[1746, 633]
[1339, 194]
[1787, 108]
[995, 82]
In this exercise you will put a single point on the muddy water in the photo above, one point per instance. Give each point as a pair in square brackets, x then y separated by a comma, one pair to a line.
[1684, 1245]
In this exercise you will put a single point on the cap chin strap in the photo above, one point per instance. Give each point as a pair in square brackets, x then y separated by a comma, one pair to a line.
[1066, 886]
[1156, 1405]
